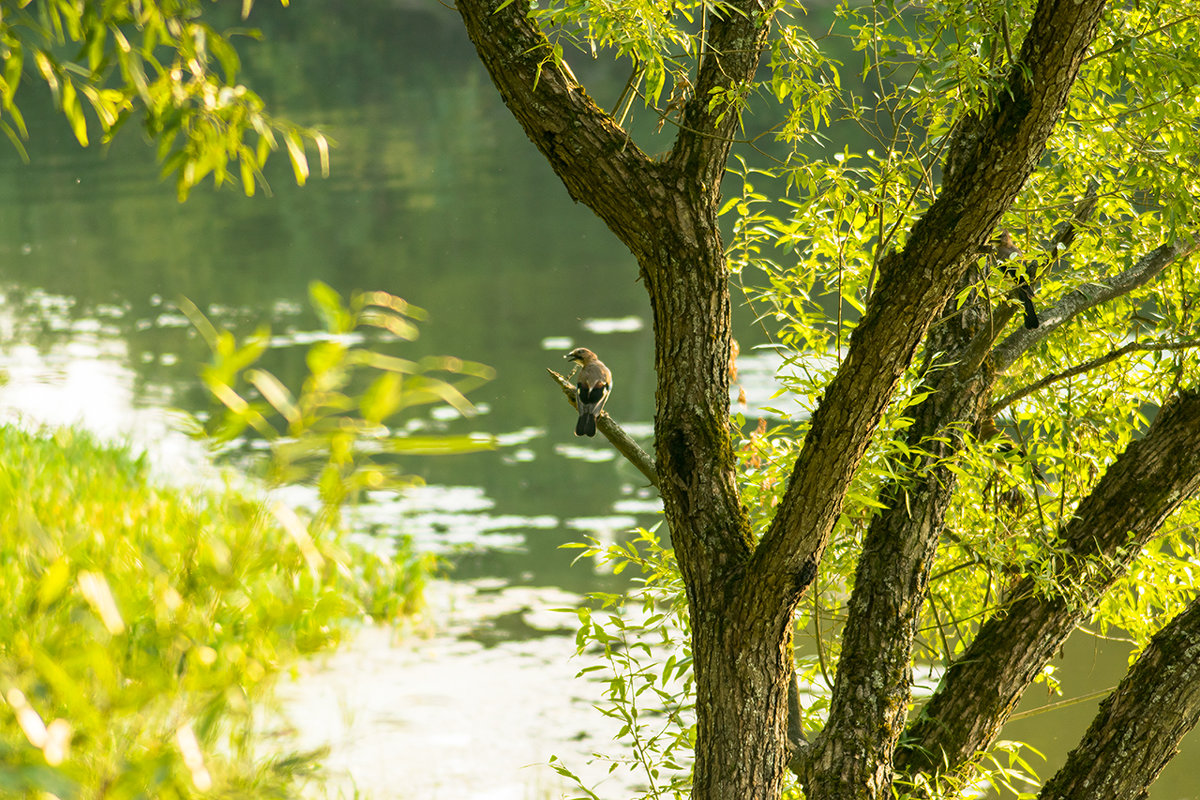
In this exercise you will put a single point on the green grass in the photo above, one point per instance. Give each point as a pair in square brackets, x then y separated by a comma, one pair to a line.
[142, 625]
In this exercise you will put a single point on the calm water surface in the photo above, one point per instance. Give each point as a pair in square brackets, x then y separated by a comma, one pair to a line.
[435, 196]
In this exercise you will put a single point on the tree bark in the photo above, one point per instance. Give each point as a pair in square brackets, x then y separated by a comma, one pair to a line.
[1140, 725]
[666, 213]
[853, 755]
[741, 597]
[1129, 504]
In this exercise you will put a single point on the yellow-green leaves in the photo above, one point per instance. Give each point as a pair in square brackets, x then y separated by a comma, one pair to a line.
[161, 62]
[340, 428]
[142, 625]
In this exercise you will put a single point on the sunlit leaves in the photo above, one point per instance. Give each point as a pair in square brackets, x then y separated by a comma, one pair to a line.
[810, 229]
[161, 65]
[642, 638]
[654, 35]
[143, 626]
[340, 429]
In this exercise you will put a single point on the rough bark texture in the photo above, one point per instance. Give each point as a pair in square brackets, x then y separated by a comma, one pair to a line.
[1140, 725]
[893, 570]
[741, 596]
[901, 543]
[982, 688]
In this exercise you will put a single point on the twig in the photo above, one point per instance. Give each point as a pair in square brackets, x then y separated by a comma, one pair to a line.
[1087, 366]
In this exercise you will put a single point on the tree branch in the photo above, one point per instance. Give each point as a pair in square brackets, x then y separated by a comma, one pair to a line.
[592, 155]
[1087, 366]
[915, 284]
[624, 444]
[1142, 487]
[1062, 240]
[1091, 295]
[871, 694]
[733, 43]
[1140, 725]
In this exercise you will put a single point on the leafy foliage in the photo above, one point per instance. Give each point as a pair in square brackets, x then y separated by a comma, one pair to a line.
[144, 625]
[808, 234]
[157, 61]
[339, 431]
[643, 643]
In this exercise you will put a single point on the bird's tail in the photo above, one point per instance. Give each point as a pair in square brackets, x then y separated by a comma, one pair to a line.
[1026, 295]
[586, 426]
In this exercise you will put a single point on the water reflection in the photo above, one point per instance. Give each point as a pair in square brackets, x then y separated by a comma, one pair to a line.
[472, 711]
[435, 196]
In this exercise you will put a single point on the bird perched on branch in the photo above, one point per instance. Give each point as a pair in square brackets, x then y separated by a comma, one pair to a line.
[1007, 252]
[592, 388]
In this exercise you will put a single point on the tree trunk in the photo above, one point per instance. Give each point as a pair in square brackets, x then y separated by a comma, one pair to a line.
[1140, 725]
[740, 651]
[1129, 504]
[893, 571]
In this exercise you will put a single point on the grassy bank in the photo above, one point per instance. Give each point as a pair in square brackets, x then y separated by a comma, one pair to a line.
[141, 625]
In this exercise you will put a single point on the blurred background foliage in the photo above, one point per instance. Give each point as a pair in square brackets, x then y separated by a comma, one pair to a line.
[144, 624]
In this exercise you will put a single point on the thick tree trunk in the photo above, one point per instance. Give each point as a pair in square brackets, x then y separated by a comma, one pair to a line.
[741, 683]
[1128, 506]
[1140, 725]
[739, 651]
[665, 212]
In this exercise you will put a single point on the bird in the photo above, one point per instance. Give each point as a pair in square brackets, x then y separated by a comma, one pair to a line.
[988, 431]
[592, 388]
[1006, 251]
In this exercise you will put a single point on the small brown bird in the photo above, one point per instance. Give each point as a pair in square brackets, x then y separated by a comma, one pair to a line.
[593, 385]
[1007, 251]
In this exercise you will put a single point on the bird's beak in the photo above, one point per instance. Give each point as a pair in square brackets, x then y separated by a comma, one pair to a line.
[568, 355]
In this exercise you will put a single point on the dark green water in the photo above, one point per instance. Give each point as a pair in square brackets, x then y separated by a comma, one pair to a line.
[435, 195]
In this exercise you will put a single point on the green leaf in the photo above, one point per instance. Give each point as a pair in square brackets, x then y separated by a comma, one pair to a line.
[382, 398]
[299, 161]
[439, 445]
[328, 303]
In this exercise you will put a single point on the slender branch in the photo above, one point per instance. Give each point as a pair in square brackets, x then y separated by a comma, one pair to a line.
[1125, 42]
[625, 445]
[1061, 704]
[1090, 295]
[1086, 366]
[1062, 240]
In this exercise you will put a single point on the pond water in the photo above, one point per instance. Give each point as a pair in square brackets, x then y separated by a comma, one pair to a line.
[435, 196]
